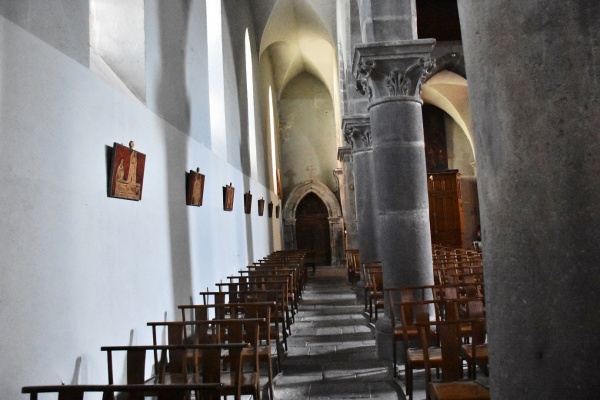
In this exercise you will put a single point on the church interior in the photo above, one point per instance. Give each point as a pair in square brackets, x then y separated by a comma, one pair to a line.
[168, 144]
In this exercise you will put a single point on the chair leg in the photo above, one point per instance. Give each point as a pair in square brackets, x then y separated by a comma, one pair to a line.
[279, 348]
[409, 381]
[271, 395]
[395, 360]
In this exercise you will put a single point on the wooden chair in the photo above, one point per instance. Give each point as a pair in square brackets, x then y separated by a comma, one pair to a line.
[249, 296]
[263, 311]
[452, 385]
[269, 332]
[366, 267]
[160, 391]
[163, 374]
[394, 298]
[374, 293]
[275, 273]
[236, 380]
[476, 352]
[269, 291]
[413, 313]
[261, 281]
[353, 266]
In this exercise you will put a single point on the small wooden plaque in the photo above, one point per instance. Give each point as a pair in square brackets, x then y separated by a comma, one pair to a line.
[247, 203]
[228, 192]
[195, 188]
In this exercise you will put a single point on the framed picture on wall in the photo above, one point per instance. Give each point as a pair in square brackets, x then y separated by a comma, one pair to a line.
[270, 209]
[247, 203]
[228, 192]
[194, 188]
[126, 172]
[261, 207]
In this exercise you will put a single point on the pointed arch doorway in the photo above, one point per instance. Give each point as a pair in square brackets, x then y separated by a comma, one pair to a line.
[312, 228]
[326, 209]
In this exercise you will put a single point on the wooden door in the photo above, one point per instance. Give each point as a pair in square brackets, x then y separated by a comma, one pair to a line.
[312, 228]
[445, 208]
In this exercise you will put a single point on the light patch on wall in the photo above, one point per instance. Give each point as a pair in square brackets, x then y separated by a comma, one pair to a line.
[118, 45]
[251, 120]
[272, 135]
[216, 80]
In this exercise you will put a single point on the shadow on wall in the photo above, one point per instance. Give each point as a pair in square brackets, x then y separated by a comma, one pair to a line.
[173, 104]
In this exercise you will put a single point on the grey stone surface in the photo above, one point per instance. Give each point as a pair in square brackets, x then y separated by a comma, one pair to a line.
[357, 132]
[332, 354]
[536, 138]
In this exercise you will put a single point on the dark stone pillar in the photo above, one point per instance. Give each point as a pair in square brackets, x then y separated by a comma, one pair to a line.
[348, 198]
[391, 74]
[385, 20]
[534, 98]
[357, 132]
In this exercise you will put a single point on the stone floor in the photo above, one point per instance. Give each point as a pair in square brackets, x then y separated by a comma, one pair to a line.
[332, 352]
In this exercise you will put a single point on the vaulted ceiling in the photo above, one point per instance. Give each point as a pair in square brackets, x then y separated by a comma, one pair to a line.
[299, 36]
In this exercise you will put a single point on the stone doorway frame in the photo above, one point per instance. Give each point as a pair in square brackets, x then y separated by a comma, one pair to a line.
[334, 211]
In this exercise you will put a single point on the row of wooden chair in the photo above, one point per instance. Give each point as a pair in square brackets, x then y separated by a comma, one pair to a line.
[277, 280]
[456, 301]
[443, 325]
[172, 377]
[217, 348]
[409, 307]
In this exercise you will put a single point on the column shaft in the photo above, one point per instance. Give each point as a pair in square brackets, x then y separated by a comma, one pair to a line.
[402, 208]
[391, 74]
[538, 158]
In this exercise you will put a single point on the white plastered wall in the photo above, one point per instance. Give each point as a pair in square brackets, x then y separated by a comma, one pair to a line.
[79, 269]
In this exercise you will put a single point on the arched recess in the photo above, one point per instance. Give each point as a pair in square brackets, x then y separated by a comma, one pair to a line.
[447, 88]
[336, 223]
[449, 91]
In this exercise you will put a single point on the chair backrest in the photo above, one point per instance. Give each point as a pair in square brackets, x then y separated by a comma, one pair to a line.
[450, 340]
[377, 280]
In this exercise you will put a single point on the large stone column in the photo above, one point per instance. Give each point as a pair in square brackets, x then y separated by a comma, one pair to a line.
[534, 98]
[391, 75]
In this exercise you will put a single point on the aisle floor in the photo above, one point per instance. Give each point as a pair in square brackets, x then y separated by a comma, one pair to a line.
[332, 353]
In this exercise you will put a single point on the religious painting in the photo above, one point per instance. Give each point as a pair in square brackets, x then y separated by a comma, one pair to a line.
[261, 207]
[127, 172]
[195, 188]
[270, 209]
[228, 192]
[247, 203]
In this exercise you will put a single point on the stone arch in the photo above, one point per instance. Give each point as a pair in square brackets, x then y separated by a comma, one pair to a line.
[453, 62]
[334, 210]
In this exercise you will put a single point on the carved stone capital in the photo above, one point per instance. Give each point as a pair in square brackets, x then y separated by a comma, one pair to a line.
[357, 132]
[393, 71]
[344, 154]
